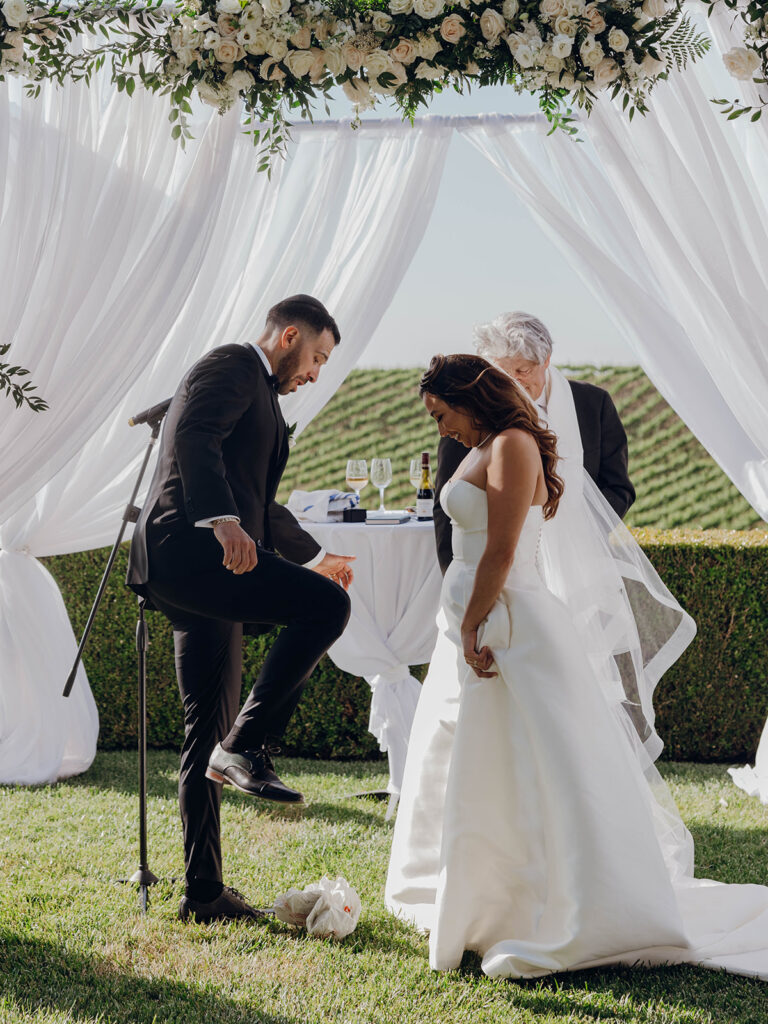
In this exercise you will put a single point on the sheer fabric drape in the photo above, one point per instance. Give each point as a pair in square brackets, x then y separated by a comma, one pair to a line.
[666, 221]
[139, 259]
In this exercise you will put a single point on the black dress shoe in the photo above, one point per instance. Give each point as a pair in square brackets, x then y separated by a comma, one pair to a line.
[228, 906]
[251, 772]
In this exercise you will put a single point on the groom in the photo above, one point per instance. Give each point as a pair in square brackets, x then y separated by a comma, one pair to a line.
[520, 345]
[204, 553]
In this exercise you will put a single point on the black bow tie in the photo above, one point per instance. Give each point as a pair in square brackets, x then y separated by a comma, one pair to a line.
[274, 382]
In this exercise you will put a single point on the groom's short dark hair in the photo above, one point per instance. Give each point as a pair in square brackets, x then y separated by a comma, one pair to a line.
[303, 309]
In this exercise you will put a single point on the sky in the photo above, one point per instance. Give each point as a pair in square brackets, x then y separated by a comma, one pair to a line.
[498, 260]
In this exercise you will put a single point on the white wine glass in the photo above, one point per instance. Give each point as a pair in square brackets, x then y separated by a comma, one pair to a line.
[357, 475]
[381, 477]
[415, 473]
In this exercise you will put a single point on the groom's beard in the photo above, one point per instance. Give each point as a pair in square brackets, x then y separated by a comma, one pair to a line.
[286, 372]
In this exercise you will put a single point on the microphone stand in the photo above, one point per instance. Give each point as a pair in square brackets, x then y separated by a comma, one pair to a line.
[143, 877]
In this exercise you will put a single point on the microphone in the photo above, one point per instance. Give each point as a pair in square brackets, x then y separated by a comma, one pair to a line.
[152, 415]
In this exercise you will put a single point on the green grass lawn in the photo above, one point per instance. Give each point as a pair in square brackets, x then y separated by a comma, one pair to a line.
[74, 948]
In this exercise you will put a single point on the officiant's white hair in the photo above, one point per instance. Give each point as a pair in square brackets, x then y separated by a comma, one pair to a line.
[514, 334]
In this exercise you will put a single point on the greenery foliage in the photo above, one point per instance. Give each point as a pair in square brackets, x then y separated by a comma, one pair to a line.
[747, 63]
[20, 393]
[710, 706]
[280, 56]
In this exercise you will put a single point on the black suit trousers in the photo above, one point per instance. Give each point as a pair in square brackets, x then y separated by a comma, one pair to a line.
[207, 613]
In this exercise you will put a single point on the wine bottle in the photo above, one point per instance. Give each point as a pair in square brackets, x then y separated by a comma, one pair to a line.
[425, 496]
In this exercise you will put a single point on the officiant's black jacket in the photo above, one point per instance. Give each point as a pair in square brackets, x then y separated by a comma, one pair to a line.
[223, 449]
[603, 439]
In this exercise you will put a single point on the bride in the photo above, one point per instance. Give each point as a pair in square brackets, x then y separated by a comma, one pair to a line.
[531, 827]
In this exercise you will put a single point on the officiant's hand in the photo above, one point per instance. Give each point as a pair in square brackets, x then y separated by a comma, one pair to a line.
[336, 568]
[239, 548]
[479, 661]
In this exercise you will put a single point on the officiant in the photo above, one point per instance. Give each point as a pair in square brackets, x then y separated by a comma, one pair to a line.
[521, 345]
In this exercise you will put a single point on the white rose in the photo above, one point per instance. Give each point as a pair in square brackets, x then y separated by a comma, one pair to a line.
[180, 37]
[299, 62]
[253, 12]
[324, 28]
[210, 39]
[381, 22]
[428, 8]
[14, 40]
[492, 24]
[595, 20]
[202, 23]
[405, 52]
[452, 28]
[562, 46]
[376, 64]
[652, 67]
[227, 25]
[241, 81]
[551, 9]
[430, 73]
[523, 54]
[277, 48]
[401, 6]
[552, 63]
[741, 62]
[228, 51]
[510, 8]
[618, 40]
[270, 71]
[359, 92]
[654, 8]
[565, 26]
[353, 57]
[228, 6]
[15, 13]
[302, 39]
[220, 96]
[591, 52]
[428, 46]
[334, 59]
[606, 72]
[274, 8]
[574, 8]
[253, 38]
[188, 55]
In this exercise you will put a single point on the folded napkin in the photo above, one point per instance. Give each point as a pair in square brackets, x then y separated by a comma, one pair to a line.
[315, 505]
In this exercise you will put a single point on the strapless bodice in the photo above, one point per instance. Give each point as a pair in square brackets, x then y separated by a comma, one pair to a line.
[467, 506]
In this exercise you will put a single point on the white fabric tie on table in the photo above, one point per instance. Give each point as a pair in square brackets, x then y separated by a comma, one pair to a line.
[395, 595]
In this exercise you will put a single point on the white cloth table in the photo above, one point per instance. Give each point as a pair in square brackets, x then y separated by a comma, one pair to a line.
[395, 596]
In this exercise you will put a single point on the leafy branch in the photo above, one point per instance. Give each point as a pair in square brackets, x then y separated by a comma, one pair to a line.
[20, 393]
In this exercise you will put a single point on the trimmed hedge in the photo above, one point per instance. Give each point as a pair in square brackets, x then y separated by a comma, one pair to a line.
[711, 705]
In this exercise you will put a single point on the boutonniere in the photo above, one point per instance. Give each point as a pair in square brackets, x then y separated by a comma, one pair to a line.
[291, 432]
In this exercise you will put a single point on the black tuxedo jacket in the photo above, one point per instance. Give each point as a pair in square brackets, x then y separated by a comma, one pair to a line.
[605, 459]
[223, 449]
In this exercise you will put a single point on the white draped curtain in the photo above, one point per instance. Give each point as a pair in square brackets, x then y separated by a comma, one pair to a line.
[666, 221]
[128, 259]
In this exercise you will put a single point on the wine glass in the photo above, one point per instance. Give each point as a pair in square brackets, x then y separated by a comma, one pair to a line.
[381, 477]
[357, 475]
[415, 473]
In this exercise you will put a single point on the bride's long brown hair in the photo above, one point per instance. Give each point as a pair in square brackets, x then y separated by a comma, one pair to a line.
[495, 402]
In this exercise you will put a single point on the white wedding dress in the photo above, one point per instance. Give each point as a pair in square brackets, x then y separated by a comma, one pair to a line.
[527, 830]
